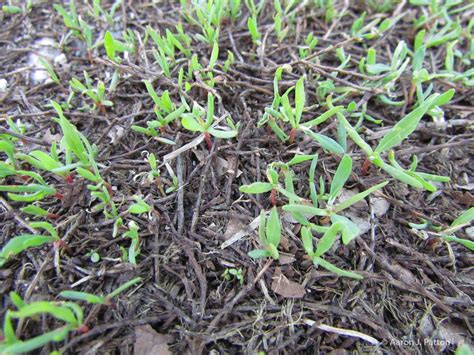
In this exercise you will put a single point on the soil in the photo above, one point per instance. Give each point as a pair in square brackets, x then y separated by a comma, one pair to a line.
[416, 296]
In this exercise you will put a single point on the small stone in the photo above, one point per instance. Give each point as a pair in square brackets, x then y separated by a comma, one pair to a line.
[3, 85]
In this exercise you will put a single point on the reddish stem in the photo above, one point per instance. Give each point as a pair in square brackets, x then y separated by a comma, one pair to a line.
[59, 195]
[365, 167]
[207, 138]
[273, 196]
[52, 216]
[292, 135]
[70, 179]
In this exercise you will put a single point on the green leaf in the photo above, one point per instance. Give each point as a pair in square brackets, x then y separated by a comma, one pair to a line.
[356, 198]
[327, 143]
[300, 158]
[399, 174]
[25, 346]
[72, 138]
[191, 124]
[306, 210]
[86, 174]
[465, 218]
[222, 134]
[354, 135]
[123, 287]
[328, 239]
[467, 243]
[261, 228]
[34, 210]
[258, 254]
[273, 228]
[463, 349]
[214, 55]
[139, 207]
[40, 307]
[307, 238]
[340, 177]
[323, 117]
[109, 44]
[349, 229]
[83, 296]
[331, 267]
[409, 123]
[299, 100]
[256, 188]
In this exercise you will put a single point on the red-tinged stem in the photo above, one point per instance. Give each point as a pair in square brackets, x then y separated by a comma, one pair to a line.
[69, 179]
[52, 216]
[207, 138]
[59, 195]
[24, 177]
[292, 135]
[273, 197]
[83, 329]
[365, 167]
[109, 189]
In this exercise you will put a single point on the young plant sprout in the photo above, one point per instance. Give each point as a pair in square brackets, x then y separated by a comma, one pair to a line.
[193, 122]
[97, 94]
[269, 232]
[394, 137]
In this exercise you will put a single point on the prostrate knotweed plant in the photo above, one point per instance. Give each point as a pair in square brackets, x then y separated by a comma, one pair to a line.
[209, 127]
[97, 94]
[166, 113]
[68, 312]
[394, 137]
[282, 111]
[20, 243]
[324, 205]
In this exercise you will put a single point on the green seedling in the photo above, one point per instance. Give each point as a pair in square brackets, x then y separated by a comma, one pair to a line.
[49, 68]
[134, 249]
[458, 224]
[229, 61]
[193, 122]
[94, 299]
[68, 312]
[325, 244]
[236, 273]
[20, 243]
[273, 185]
[97, 93]
[166, 113]
[269, 232]
[394, 137]
[113, 47]
[99, 12]
[139, 206]
[310, 44]
[79, 28]
[284, 112]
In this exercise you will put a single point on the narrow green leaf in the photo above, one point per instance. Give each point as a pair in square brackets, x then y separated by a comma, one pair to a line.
[356, 198]
[340, 177]
[83, 296]
[273, 228]
[409, 123]
[191, 124]
[331, 267]
[307, 238]
[256, 188]
[258, 254]
[306, 210]
[465, 218]
[328, 239]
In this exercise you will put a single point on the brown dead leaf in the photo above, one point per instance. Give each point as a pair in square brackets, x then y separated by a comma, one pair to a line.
[148, 341]
[286, 288]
